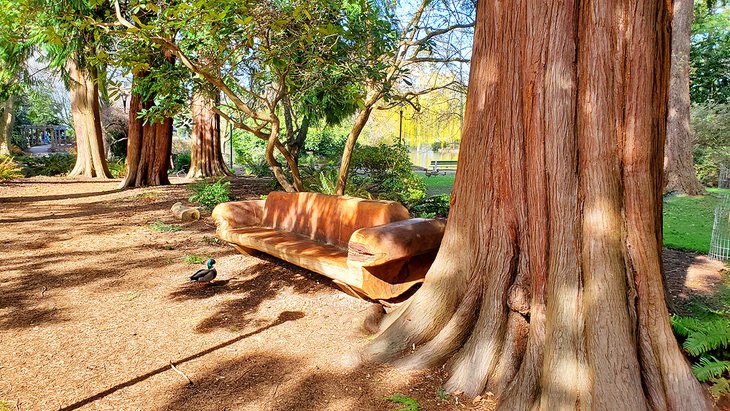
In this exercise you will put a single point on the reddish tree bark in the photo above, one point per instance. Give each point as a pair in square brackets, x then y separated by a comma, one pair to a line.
[206, 156]
[149, 146]
[547, 289]
[90, 154]
[7, 120]
[679, 171]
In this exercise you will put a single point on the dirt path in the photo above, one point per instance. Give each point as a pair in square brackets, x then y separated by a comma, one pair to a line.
[691, 277]
[94, 306]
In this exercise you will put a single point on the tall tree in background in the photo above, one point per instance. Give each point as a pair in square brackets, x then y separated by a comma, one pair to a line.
[547, 289]
[14, 50]
[710, 55]
[149, 140]
[85, 109]
[72, 42]
[263, 53]
[206, 155]
[679, 170]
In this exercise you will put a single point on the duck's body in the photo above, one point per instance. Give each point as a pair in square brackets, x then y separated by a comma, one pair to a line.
[205, 275]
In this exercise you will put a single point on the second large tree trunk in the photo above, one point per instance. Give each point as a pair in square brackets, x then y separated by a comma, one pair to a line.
[7, 121]
[90, 155]
[547, 289]
[679, 171]
[206, 156]
[149, 147]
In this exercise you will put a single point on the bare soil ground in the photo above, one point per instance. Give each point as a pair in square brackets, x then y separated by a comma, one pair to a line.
[95, 307]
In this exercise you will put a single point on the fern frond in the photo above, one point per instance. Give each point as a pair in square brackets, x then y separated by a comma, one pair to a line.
[713, 335]
[326, 184]
[709, 368]
[720, 387]
[684, 326]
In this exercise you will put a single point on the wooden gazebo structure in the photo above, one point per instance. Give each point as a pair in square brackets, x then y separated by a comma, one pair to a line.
[38, 135]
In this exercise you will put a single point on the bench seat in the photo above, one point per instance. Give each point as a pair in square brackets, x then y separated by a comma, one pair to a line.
[371, 249]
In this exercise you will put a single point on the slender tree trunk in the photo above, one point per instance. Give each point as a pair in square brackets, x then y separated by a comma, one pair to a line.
[294, 138]
[547, 290]
[90, 154]
[360, 121]
[206, 156]
[6, 127]
[149, 147]
[679, 171]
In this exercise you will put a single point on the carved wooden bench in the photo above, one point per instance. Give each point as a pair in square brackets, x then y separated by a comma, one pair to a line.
[370, 249]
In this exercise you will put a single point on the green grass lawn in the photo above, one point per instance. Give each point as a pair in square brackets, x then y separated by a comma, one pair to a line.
[687, 220]
[439, 184]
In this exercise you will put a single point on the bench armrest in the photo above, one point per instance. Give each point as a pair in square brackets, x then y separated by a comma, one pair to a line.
[238, 214]
[400, 240]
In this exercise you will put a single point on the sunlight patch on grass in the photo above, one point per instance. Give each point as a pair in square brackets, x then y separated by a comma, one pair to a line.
[438, 184]
[688, 220]
[195, 259]
[161, 227]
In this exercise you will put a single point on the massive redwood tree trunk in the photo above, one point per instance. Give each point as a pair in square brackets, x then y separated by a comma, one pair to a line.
[547, 290]
[90, 154]
[679, 170]
[7, 120]
[149, 145]
[206, 156]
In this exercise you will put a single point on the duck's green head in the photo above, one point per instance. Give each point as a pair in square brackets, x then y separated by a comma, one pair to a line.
[210, 263]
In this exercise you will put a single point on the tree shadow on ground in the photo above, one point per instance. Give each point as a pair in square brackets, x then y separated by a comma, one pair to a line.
[251, 287]
[32, 199]
[269, 381]
[23, 295]
[282, 318]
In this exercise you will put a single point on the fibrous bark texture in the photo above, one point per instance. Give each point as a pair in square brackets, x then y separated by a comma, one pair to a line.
[7, 120]
[679, 172]
[90, 154]
[206, 156]
[547, 289]
[149, 146]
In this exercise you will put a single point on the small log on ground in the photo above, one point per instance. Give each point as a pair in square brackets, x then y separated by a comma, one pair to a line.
[184, 213]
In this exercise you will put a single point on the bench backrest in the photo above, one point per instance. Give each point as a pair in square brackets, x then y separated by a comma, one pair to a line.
[326, 218]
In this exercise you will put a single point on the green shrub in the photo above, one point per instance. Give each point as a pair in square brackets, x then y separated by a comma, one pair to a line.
[432, 207]
[211, 194]
[383, 172]
[258, 168]
[707, 341]
[711, 127]
[324, 180]
[118, 167]
[250, 153]
[386, 172]
[436, 146]
[9, 169]
[51, 165]
[408, 403]
[181, 162]
[328, 143]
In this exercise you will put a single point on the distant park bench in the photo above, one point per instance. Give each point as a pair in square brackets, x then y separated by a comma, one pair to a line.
[441, 167]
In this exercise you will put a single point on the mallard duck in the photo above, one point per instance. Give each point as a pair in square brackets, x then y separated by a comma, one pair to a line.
[205, 275]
